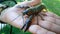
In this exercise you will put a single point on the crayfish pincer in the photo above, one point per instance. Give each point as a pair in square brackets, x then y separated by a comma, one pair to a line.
[31, 12]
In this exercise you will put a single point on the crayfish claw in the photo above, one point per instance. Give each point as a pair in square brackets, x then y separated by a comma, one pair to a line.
[27, 23]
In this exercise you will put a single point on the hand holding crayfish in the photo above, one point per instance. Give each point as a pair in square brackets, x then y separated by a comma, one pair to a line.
[14, 16]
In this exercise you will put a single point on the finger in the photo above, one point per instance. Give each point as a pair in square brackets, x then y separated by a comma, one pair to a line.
[50, 26]
[35, 29]
[58, 21]
[53, 15]
[53, 20]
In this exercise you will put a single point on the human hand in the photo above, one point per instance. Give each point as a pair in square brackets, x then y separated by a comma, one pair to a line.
[50, 24]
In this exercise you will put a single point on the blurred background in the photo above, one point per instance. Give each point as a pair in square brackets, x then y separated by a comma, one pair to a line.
[52, 5]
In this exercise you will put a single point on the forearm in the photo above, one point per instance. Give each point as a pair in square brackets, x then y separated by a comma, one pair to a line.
[34, 2]
[29, 3]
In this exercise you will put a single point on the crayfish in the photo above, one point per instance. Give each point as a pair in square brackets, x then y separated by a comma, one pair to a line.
[31, 12]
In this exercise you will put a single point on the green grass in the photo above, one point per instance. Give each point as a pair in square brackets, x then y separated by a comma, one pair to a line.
[6, 30]
[52, 5]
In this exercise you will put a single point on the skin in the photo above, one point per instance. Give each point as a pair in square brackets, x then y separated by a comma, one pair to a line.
[50, 24]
